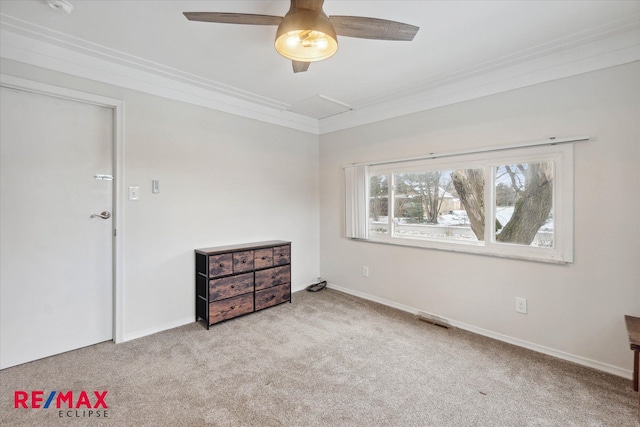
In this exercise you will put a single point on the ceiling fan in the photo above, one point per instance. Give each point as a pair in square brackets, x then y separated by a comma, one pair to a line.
[306, 34]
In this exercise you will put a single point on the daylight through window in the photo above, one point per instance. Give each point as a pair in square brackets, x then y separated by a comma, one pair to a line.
[512, 203]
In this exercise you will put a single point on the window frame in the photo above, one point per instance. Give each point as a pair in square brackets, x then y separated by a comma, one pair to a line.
[562, 157]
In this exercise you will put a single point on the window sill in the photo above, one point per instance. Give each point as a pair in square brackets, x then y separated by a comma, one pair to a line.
[474, 248]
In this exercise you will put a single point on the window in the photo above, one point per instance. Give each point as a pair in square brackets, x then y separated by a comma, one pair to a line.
[515, 203]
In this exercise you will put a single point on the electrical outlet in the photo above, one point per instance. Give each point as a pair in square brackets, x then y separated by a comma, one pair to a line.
[365, 271]
[521, 305]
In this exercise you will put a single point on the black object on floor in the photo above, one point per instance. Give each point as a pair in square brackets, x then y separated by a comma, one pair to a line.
[317, 287]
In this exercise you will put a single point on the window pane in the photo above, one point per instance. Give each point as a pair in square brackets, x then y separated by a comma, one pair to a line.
[378, 204]
[427, 206]
[436, 203]
[524, 204]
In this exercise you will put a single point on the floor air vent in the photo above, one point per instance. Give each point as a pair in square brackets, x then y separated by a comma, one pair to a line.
[433, 319]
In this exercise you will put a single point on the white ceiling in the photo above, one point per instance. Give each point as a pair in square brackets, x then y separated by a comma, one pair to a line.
[462, 46]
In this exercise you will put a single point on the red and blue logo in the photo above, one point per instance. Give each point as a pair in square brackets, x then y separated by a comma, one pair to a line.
[68, 403]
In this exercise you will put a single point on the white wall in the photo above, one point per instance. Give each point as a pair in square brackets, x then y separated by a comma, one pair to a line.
[226, 179]
[223, 180]
[575, 311]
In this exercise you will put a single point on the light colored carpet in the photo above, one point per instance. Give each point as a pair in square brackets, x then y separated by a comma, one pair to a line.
[327, 359]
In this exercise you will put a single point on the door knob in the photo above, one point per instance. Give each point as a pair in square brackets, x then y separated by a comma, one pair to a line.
[103, 215]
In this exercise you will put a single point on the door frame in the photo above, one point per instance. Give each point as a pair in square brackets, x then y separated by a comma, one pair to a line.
[117, 106]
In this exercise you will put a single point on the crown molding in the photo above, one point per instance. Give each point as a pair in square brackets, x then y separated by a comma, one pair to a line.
[38, 46]
[616, 44]
[555, 62]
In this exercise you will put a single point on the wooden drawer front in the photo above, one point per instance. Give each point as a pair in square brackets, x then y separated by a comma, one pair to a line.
[242, 261]
[229, 308]
[281, 255]
[220, 265]
[273, 276]
[272, 296]
[228, 287]
[263, 258]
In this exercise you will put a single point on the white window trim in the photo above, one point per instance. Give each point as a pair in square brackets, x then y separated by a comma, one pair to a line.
[561, 155]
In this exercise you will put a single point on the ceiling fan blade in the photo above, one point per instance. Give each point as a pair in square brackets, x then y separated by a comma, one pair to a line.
[300, 67]
[372, 28]
[233, 18]
[315, 5]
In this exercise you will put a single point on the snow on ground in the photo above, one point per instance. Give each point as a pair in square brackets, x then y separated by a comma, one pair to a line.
[453, 219]
[455, 226]
[459, 218]
[503, 214]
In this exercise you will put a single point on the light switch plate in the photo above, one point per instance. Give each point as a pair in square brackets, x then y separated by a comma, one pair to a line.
[134, 193]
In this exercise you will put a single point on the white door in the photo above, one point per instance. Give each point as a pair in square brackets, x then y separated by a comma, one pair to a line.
[56, 287]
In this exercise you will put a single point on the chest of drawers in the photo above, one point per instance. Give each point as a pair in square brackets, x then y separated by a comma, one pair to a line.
[239, 279]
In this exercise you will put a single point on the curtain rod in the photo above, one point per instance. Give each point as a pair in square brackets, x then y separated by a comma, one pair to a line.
[431, 156]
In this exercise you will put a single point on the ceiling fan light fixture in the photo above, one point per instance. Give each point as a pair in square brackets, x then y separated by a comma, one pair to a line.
[306, 36]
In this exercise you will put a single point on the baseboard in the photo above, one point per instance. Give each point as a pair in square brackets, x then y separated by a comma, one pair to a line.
[182, 322]
[497, 336]
[156, 329]
[298, 288]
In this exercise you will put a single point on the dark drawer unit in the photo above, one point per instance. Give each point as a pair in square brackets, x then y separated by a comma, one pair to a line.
[282, 255]
[230, 308]
[239, 279]
[263, 258]
[227, 287]
[273, 276]
[272, 296]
